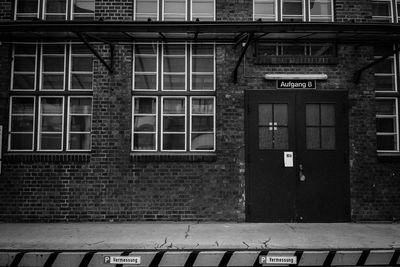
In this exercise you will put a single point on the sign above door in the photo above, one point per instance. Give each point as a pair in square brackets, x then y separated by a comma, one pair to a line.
[295, 84]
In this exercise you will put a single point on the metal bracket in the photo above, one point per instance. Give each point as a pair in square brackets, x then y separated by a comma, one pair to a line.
[235, 71]
[99, 57]
[357, 74]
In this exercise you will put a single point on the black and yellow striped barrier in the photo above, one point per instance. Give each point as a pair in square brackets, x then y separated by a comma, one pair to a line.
[200, 258]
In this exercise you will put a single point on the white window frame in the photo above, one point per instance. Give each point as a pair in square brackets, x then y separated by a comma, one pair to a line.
[25, 15]
[133, 125]
[33, 123]
[54, 14]
[70, 72]
[40, 123]
[206, 73]
[396, 117]
[294, 16]
[163, 12]
[394, 74]
[157, 67]
[22, 72]
[173, 73]
[173, 115]
[332, 16]
[135, 9]
[58, 73]
[396, 11]
[77, 114]
[265, 18]
[72, 15]
[191, 118]
[203, 16]
[380, 18]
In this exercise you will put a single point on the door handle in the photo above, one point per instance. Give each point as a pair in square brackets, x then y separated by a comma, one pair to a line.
[302, 177]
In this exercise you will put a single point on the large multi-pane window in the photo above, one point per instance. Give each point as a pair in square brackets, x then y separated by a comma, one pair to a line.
[173, 101]
[293, 10]
[174, 10]
[386, 101]
[296, 49]
[50, 98]
[54, 9]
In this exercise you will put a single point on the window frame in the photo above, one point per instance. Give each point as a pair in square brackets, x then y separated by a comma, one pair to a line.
[304, 16]
[191, 72]
[163, 11]
[13, 71]
[191, 124]
[260, 17]
[391, 16]
[213, 14]
[44, 13]
[133, 124]
[157, 67]
[37, 14]
[173, 115]
[67, 146]
[70, 72]
[10, 132]
[39, 132]
[135, 9]
[396, 118]
[73, 13]
[332, 17]
[41, 72]
[174, 73]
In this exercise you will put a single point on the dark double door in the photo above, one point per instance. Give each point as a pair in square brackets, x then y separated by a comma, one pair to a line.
[310, 130]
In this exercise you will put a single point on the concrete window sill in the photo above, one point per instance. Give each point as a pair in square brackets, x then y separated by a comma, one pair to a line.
[46, 157]
[173, 157]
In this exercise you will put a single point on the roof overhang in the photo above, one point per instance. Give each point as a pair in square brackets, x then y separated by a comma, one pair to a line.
[216, 31]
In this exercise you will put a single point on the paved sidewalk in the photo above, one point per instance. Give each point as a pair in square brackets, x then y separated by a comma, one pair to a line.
[213, 236]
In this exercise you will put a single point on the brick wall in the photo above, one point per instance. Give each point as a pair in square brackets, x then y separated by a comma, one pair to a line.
[109, 184]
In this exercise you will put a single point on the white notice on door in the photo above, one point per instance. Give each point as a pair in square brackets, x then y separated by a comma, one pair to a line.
[288, 159]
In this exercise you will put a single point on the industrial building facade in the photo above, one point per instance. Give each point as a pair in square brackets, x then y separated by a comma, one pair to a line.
[199, 110]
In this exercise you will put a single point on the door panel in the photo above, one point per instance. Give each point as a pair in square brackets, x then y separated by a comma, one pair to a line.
[312, 125]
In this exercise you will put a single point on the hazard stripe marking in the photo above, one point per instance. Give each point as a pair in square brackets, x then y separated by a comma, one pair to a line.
[262, 253]
[346, 258]
[225, 259]
[191, 259]
[6, 258]
[69, 259]
[395, 258]
[363, 258]
[243, 258]
[86, 259]
[313, 258]
[379, 257]
[17, 259]
[208, 258]
[51, 259]
[34, 259]
[329, 259]
[175, 259]
[156, 260]
[145, 257]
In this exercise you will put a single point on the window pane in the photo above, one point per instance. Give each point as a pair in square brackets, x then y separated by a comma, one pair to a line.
[22, 123]
[174, 82]
[385, 106]
[322, 50]
[174, 106]
[24, 81]
[386, 125]
[22, 105]
[173, 142]
[386, 142]
[174, 9]
[51, 123]
[146, 81]
[53, 64]
[77, 49]
[281, 114]
[50, 141]
[144, 141]
[79, 142]
[27, 6]
[313, 138]
[82, 64]
[386, 66]
[264, 114]
[281, 138]
[53, 82]
[146, 9]
[26, 64]
[177, 50]
[148, 49]
[202, 123]
[174, 124]
[328, 114]
[81, 123]
[21, 141]
[381, 8]
[328, 140]
[293, 50]
[385, 83]
[174, 64]
[51, 105]
[264, 9]
[202, 141]
[320, 7]
[83, 6]
[202, 82]
[145, 105]
[22, 49]
[292, 7]
[203, 49]
[265, 138]
[55, 6]
[145, 124]
[202, 106]
[81, 81]
[203, 10]
[81, 105]
[145, 64]
[312, 115]
[202, 64]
